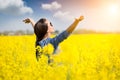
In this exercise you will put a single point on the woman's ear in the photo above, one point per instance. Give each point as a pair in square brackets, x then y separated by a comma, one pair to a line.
[48, 30]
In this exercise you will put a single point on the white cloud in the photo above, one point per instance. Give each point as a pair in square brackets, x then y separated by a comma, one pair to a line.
[15, 7]
[52, 6]
[63, 16]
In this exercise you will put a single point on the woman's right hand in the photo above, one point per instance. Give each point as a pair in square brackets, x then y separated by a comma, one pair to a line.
[27, 20]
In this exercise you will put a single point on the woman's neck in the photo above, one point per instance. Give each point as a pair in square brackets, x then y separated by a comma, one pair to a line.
[47, 35]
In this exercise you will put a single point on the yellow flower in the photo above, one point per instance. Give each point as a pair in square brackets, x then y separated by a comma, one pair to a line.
[48, 49]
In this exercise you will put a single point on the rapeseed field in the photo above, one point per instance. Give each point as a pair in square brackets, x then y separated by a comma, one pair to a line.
[80, 57]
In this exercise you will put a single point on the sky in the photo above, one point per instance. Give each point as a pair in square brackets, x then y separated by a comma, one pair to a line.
[99, 15]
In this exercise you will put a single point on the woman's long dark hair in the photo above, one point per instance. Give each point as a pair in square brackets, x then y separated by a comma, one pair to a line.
[40, 29]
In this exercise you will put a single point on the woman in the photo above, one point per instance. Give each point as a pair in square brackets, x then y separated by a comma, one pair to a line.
[43, 29]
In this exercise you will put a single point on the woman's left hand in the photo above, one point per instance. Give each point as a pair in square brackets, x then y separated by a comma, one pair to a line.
[80, 18]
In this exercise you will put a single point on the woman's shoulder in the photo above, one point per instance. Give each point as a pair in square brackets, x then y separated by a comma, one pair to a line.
[44, 42]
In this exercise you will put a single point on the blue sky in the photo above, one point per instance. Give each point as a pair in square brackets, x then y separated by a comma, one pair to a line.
[100, 15]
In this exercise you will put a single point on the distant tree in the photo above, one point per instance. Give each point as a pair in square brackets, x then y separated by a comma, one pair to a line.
[19, 32]
[56, 31]
[28, 32]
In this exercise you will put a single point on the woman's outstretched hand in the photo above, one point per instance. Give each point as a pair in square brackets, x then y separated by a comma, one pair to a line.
[27, 20]
[80, 18]
[74, 24]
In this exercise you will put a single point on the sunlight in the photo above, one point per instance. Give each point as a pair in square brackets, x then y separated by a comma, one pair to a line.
[113, 9]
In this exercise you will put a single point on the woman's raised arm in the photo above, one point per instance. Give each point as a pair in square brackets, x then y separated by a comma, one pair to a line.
[28, 20]
[74, 24]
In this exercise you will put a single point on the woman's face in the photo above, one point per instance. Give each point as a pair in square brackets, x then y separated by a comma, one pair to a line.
[50, 26]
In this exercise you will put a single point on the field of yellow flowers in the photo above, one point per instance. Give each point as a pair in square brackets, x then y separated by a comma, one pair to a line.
[81, 57]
